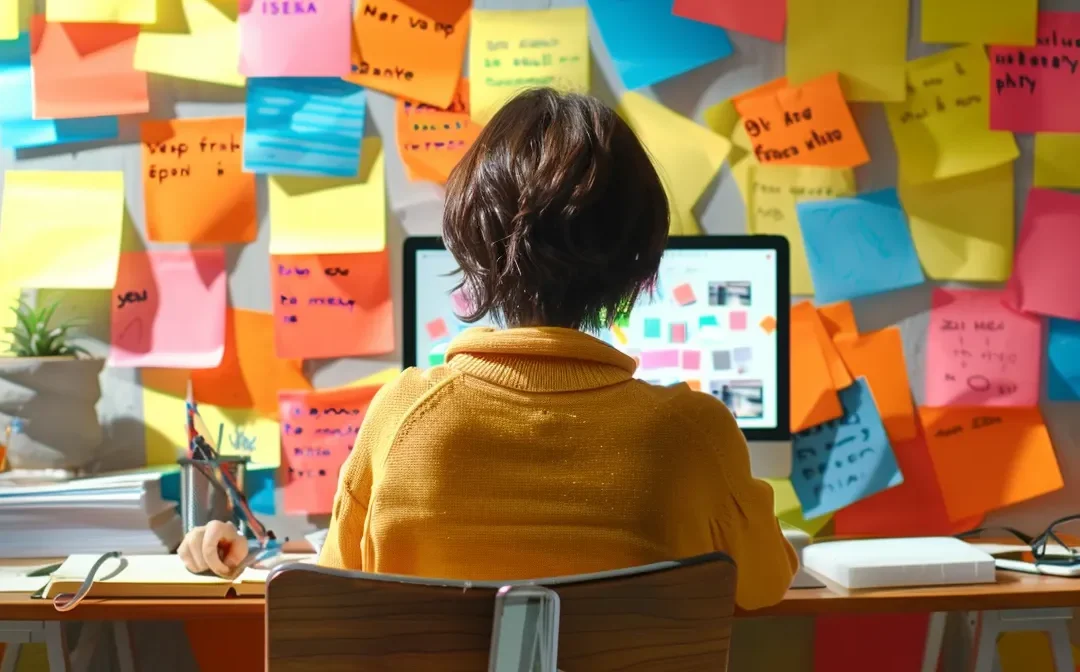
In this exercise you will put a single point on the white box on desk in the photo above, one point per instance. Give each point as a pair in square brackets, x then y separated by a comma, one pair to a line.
[895, 563]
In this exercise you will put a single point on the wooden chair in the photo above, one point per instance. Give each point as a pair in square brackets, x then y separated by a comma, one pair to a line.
[670, 616]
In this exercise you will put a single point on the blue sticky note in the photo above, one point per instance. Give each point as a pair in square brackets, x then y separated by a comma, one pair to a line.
[707, 321]
[858, 246]
[652, 327]
[260, 484]
[649, 44]
[16, 85]
[844, 460]
[304, 126]
[27, 133]
[1063, 360]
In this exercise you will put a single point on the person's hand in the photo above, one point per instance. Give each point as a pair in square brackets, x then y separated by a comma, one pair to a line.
[217, 546]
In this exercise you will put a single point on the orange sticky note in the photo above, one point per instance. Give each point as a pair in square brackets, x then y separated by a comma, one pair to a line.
[193, 182]
[808, 125]
[838, 318]
[411, 48]
[332, 305]
[85, 70]
[432, 141]
[987, 458]
[879, 357]
[813, 397]
[837, 371]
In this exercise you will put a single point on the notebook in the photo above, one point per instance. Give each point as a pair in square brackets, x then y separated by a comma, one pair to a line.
[887, 563]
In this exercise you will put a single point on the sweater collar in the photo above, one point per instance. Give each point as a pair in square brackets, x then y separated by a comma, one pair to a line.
[539, 359]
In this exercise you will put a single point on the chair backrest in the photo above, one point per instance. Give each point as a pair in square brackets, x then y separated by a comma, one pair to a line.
[655, 618]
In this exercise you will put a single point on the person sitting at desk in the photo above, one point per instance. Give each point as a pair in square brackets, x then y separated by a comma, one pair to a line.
[533, 452]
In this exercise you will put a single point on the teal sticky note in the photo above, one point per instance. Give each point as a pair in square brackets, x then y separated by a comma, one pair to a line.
[1063, 360]
[652, 327]
[16, 85]
[260, 484]
[27, 133]
[844, 460]
[858, 246]
[649, 44]
[707, 321]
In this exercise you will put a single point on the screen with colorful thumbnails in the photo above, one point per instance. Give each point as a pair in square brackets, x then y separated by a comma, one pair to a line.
[712, 321]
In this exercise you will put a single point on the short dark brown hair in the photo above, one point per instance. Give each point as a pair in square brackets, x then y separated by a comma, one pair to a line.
[555, 215]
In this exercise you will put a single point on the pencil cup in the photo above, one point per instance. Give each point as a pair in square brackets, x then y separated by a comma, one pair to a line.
[203, 500]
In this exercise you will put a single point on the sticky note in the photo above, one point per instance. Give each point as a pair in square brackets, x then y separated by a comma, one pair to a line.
[980, 353]
[706, 321]
[737, 320]
[858, 246]
[721, 360]
[813, 397]
[659, 359]
[9, 20]
[742, 355]
[652, 327]
[331, 215]
[61, 229]
[678, 332]
[768, 324]
[194, 185]
[29, 133]
[511, 50]
[260, 485]
[195, 39]
[838, 372]
[290, 38]
[980, 21]
[691, 359]
[1033, 89]
[437, 329]
[1055, 166]
[764, 18]
[432, 141]
[650, 44]
[940, 129]
[1062, 360]
[16, 79]
[333, 305]
[378, 378]
[1046, 253]
[318, 430]
[684, 294]
[788, 510]
[463, 306]
[963, 227]
[806, 125]
[157, 295]
[989, 458]
[878, 356]
[686, 156]
[412, 50]
[866, 42]
[843, 461]
[304, 126]
[100, 11]
[85, 70]
[838, 319]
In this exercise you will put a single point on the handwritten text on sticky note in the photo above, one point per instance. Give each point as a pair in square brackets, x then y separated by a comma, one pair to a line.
[432, 141]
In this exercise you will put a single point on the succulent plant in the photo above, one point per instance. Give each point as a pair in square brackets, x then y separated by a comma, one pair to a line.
[34, 335]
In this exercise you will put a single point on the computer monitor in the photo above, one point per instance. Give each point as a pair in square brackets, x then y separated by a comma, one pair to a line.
[717, 320]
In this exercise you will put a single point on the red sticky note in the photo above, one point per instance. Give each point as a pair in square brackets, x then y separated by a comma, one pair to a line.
[436, 329]
[737, 320]
[684, 294]
[1046, 256]
[1033, 89]
[332, 305]
[846, 643]
[760, 18]
[318, 430]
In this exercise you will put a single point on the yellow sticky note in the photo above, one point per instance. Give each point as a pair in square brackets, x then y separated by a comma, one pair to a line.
[512, 50]
[381, 378]
[787, 508]
[724, 120]
[9, 19]
[317, 215]
[770, 194]
[940, 130]
[61, 229]
[1055, 160]
[241, 431]
[963, 227]
[192, 39]
[865, 41]
[100, 11]
[687, 156]
[1006, 22]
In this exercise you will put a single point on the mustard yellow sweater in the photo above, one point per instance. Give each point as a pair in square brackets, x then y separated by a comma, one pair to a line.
[534, 453]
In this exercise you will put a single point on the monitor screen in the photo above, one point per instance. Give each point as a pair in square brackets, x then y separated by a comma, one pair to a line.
[712, 323]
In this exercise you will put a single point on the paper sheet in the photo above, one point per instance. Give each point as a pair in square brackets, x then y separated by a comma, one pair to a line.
[156, 295]
[511, 50]
[432, 141]
[788, 510]
[980, 21]
[304, 126]
[411, 49]
[878, 356]
[193, 182]
[858, 246]
[311, 38]
[51, 132]
[333, 305]
[687, 156]
[989, 458]
[838, 319]
[963, 227]
[844, 460]
[763, 18]
[807, 125]
[813, 398]
[649, 44]
[980, 353]
[940, 130]
[866, 42]
[61, 229]
[1062, 360]
[1055, 164]
[85, 70]
[328, 215]
[1029, 98]
[1046, 253]
[193, 39]
[100, 11]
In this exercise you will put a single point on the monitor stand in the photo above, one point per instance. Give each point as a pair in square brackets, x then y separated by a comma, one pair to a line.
[770, 459]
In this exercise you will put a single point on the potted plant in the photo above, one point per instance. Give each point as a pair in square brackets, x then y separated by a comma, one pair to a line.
[49, 389]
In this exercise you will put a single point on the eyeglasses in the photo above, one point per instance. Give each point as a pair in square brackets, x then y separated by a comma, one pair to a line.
[1049, 547]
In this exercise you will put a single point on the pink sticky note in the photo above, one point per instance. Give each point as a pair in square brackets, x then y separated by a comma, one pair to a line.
[1046, 256]
[659, 359]
[295, 38]
[760, 18]
[980, 352]
[462, 305]
[1033, 89]
[678, 332]
[168, 309]
[737, 320]
[436, 329]
[691, 359]
[684, 294]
